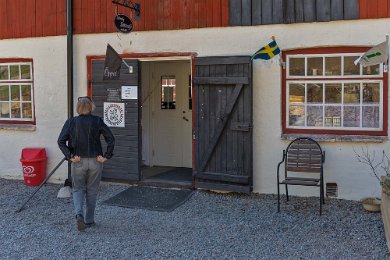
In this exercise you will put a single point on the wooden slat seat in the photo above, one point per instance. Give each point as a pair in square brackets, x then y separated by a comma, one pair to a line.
[302, 156]
[301, 181]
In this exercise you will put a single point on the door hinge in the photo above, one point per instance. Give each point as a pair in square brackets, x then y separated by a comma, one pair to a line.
[193, 135]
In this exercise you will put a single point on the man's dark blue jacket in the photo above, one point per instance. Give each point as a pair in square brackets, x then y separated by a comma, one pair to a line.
[83, 135]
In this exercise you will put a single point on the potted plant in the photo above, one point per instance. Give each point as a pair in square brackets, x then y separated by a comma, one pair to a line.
[380, 169]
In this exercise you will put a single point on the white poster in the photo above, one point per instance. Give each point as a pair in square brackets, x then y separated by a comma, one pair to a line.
[129, 92]
[114, 114]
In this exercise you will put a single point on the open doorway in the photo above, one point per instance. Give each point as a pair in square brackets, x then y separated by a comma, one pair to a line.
[166, 109]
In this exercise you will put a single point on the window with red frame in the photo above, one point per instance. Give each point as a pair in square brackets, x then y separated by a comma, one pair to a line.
[16, 92]
[325, 92]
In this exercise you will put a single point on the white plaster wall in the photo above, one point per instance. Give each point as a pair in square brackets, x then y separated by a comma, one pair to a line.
[353, 179]
[49, 64]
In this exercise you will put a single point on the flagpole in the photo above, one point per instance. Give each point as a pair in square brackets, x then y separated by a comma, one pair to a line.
[128, 66]
[280, 54]
[388, 53]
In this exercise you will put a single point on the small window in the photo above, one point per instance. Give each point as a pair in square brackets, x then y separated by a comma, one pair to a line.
[168, 92]
[16, 92]
[328, 93]
[331, 190]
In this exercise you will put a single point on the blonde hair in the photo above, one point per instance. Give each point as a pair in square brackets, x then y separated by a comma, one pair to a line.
[85, 106]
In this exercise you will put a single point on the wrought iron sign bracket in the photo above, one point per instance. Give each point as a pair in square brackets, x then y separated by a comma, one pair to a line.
[136, 7]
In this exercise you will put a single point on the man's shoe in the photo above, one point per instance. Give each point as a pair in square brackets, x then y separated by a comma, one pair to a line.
[88, 225]
[80, 223]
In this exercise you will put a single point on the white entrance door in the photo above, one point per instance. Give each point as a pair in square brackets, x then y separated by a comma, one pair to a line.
[171, 114]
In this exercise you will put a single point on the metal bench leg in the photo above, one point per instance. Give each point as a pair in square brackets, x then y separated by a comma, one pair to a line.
[321, 198]
[287, 193]
[320, 205]
[278, 198]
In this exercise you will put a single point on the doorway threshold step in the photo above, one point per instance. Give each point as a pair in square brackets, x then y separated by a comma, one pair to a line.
[166, 184]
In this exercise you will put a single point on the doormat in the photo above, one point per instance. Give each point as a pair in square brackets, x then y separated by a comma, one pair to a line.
[150, 198]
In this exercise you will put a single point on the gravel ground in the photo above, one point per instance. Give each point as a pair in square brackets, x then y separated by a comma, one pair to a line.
[207, 226]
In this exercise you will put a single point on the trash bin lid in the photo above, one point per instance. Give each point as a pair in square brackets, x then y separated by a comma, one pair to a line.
[33, 154]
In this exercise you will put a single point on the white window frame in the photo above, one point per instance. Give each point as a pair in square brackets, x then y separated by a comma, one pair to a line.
[306, 56]
[19, 82]
[163, 86]
[339, 79]
[342, 104]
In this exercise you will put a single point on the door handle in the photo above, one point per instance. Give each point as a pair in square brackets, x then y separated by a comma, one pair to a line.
[185, 118]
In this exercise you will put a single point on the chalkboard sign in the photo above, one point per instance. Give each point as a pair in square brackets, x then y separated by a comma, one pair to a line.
[123, 23]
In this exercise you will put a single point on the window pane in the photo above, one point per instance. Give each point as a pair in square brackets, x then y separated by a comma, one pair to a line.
[352, 93]
[371, 117]
[371, 70]
[351, 116]
[297, 93]
[4, 73]
[332, 66]
[168, 93]
[25, 71]
[333, 93]
[371, 93]
[15, 93]
[15, 110]
[27, 110]
[164, 82]
[26, 93]
[333, 116]
[4, 109]
[314, 115]
[4, 93]
[297, 66]
[349, 66]
[14, 71]
[296, 116]
[314, 66]
[315, 93]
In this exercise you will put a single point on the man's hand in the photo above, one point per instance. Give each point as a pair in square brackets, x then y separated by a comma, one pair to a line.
[75, 159]
[101, 159]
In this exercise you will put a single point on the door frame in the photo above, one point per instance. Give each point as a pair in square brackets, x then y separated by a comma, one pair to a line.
[154, 57]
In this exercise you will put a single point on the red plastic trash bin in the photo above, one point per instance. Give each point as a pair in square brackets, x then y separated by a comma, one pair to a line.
[34, 165]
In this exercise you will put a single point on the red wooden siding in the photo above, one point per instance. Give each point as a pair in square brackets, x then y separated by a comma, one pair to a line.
[35, 18]
[371, 9]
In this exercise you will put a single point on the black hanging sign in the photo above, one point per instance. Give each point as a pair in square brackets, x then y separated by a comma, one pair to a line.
[123, 23]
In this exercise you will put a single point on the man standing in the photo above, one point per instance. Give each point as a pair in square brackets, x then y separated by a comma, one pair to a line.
[79, 141]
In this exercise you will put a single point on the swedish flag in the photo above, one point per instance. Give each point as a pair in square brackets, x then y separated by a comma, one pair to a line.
[267, 52]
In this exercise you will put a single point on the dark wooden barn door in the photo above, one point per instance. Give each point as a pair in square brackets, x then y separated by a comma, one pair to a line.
[223, 126]
[125, 164]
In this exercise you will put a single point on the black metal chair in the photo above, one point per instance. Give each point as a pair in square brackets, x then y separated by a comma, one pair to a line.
[302, 155]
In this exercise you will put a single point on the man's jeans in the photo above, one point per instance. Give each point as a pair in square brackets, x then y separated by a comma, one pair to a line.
[86, 177]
